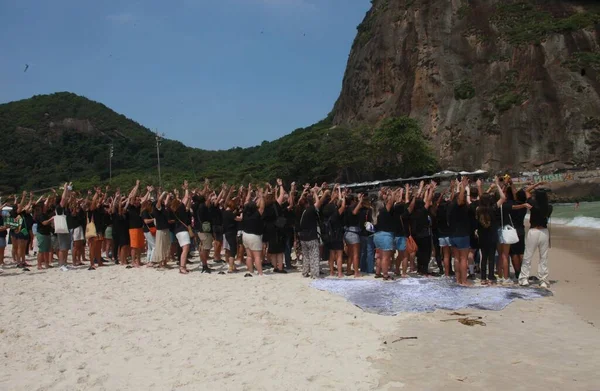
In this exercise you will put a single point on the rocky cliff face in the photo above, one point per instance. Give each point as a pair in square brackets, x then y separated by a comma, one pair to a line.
[497, 84]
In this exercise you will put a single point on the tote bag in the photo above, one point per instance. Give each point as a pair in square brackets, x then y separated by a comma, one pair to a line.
[509, 233]
[90, 229]
[60, 224]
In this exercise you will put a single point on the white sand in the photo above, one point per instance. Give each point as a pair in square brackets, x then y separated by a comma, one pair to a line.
[128, 329]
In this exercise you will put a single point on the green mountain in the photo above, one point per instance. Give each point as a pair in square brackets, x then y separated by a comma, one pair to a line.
[50, 139]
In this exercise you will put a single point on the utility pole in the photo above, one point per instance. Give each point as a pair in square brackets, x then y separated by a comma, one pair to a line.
[159, 138]
[110, 161]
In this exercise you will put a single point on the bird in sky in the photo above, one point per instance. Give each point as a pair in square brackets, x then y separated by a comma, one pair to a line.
[26, 67]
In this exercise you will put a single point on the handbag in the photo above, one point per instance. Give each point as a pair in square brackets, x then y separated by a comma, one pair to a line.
[60, 224]
[152, 230]
[206, 227]
[189, 227]
[411, 245]
[90, 229]
[508, 234]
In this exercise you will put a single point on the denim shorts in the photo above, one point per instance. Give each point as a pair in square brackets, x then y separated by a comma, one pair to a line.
[384, 241]
[445, 242]
[2, 242]
[351, 236]
[460, 242]
[400, 242]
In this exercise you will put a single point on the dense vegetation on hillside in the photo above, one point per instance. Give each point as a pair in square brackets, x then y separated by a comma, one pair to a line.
[49, 139]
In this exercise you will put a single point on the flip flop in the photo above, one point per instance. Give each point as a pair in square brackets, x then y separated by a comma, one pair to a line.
[128, 267]
[91, 268]
[248, 275]
[221, 272]
[378, 276]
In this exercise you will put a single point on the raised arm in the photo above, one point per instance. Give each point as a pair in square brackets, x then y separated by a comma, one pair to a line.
[116, 200]
[342, 208]
[500, 193]
[281, 191]
[411, 207]
[134, 191]
[462, 199]
[320, 200]
[65, 195]
[261, 202]
[359, 204]
[292, 196]
[249, 195]
[531, 188]
[429, 198]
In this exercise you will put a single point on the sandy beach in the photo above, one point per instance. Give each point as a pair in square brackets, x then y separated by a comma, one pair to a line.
[126, 329]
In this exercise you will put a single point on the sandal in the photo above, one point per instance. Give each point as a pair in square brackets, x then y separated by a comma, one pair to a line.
[378, 276]
[183, 270]
[388, 278]
[247, 275]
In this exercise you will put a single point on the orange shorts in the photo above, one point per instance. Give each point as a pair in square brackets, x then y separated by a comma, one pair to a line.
[136, 238]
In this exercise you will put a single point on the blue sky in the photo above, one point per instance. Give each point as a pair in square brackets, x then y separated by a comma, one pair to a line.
[213, 74]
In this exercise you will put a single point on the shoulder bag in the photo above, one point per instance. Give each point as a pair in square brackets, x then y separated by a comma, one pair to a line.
[90, 228]
[508, 234]
[60, 224]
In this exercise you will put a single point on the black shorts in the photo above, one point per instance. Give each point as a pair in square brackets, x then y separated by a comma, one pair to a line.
[519, 247]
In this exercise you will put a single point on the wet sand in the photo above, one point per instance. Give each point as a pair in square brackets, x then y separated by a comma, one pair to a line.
[548, 344]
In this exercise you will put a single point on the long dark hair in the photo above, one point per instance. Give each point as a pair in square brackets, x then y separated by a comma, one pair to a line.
[541, 198]
[485, 210]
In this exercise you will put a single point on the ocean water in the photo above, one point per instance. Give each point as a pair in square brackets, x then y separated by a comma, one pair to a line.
[586, 216]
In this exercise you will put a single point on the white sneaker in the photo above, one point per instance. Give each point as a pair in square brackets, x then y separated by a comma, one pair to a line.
[64, 268]
[524, 283]
[544, 285]
[507, 281]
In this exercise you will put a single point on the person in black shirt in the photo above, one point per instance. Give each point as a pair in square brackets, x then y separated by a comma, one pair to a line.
[183, 224]
[95, 214]
[367, 246]
[421, 230]
[384, 232]
[441, 229]
[230, 234]
[290, 218]
[486, 230]
[459, 223]
[401, 212]
[538, 236]
[3, 230]
[517, 215]
[352, 234]
[44, 229]
[308, 232]
[274, 234]
[203, 224]
[76, 223]
[161, 215]
[333, 230]
[473, 195]
[215, 211]
[253, 227]
[136, 233]
[120, 221]
[149, 229]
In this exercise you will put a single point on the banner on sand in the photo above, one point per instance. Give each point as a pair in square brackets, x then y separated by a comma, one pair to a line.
[424, 295]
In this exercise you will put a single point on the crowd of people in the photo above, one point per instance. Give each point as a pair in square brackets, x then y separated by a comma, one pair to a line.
[392, 233]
